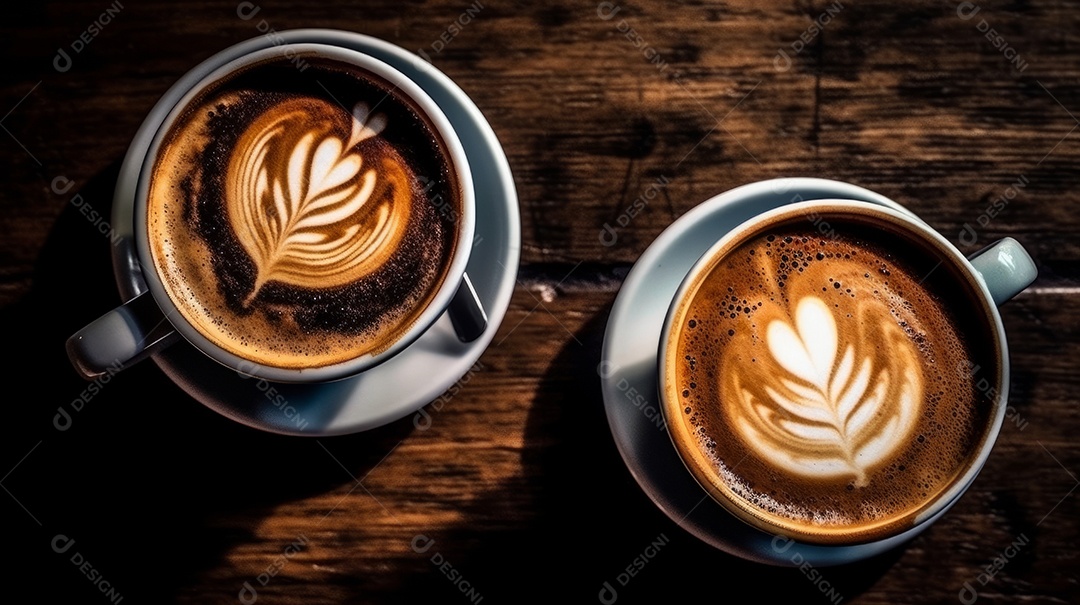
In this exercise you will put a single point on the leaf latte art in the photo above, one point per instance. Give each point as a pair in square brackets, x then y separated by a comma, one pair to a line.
[824, 404]
[306, 207]
[810, 380]
[303, 219]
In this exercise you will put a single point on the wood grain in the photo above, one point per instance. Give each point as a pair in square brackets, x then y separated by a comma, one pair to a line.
[517, 479]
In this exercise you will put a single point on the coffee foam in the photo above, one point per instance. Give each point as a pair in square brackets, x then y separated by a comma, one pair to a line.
[818, 379]
[310, 205]
[296, 232]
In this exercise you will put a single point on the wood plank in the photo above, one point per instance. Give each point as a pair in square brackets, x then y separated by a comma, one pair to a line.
[517, 479]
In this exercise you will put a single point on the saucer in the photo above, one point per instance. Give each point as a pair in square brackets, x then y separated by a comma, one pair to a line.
[628, 371]
[421, 372]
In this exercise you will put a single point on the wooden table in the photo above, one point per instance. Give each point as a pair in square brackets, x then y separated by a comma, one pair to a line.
[945, 107]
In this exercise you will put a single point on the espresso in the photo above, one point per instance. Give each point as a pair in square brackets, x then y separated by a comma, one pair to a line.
[301, 218]
[820, 377]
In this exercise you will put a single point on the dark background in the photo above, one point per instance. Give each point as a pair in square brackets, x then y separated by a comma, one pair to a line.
[518, 480]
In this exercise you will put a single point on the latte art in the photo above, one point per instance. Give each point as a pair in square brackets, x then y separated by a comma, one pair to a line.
[306, 207]
[808, 379]
[818, 406]
[302, 219]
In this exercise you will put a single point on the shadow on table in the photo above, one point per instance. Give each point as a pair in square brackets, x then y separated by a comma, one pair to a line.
[151, 485]
[590, 523]
[156, 490]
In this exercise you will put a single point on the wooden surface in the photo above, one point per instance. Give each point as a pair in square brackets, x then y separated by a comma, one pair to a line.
[518, 480]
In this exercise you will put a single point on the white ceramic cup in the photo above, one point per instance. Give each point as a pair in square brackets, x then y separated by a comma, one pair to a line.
[996, 273]
[151, 321]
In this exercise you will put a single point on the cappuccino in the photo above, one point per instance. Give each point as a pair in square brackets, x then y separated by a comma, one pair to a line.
[299, 219]
[810, 377]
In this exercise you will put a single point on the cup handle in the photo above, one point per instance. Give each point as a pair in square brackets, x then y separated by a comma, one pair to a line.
[120, 338]
[467, 312]
[1005, 267]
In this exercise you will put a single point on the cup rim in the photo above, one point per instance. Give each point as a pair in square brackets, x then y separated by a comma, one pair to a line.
[693, 459]
[455, 269]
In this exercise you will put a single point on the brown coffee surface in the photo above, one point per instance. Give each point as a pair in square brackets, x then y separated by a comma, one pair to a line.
[301, 218]
[825, 379]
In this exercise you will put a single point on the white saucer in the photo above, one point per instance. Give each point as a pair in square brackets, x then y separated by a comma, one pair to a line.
[426, 368]
[628, 369]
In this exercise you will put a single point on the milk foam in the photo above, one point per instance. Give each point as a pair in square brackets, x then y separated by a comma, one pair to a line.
[304, 204]
[295, 227]
[816, 413]
[817, 378]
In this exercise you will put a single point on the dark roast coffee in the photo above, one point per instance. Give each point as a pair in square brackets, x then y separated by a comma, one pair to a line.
[302, 218]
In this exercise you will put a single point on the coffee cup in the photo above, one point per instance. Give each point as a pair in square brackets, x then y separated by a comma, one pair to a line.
[834, 373]
[304, 213]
